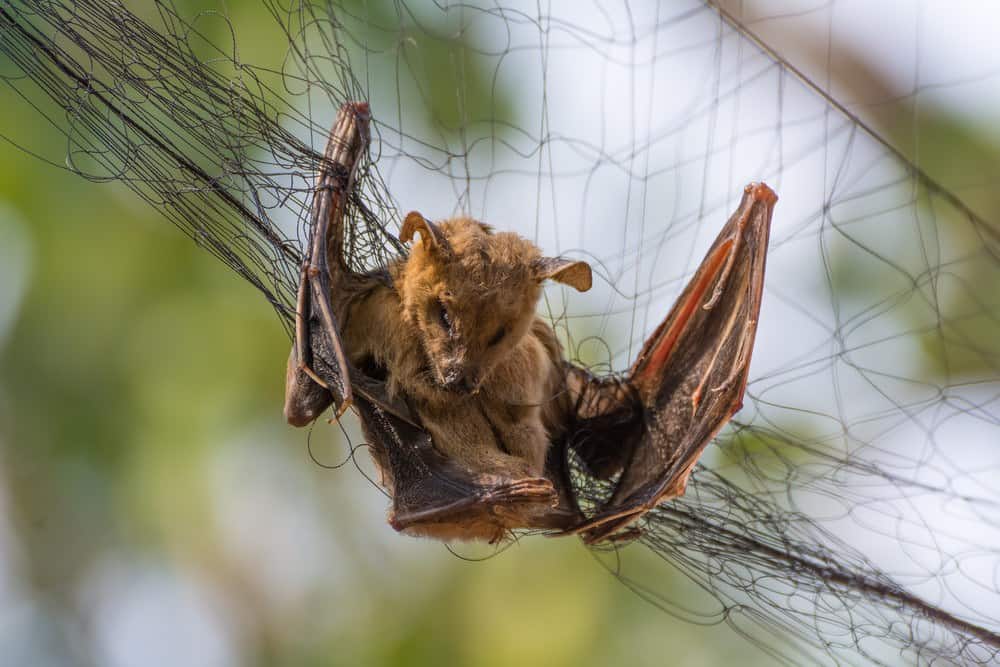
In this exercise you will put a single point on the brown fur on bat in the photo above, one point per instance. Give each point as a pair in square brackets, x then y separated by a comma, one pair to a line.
[463, 392]
[453, 332]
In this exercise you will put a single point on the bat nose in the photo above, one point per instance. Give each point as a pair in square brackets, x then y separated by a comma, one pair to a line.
[450, 376]
[457, 380]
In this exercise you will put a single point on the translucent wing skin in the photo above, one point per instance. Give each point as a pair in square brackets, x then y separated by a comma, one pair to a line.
[687, 381]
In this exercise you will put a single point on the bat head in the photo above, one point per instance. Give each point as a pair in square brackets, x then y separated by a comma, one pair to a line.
[472, 293]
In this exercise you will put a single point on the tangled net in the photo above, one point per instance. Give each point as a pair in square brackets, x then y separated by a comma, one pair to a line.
[847, 515]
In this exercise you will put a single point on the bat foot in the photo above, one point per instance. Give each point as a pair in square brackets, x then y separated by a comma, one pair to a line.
[489, 513]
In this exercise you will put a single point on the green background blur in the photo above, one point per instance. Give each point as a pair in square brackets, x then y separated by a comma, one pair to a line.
[155, 509]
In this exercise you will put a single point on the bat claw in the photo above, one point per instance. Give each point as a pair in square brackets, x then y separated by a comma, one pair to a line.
[344, 406]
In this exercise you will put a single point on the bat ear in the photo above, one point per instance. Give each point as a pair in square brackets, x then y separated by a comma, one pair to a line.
[570, 272]
[414, 223]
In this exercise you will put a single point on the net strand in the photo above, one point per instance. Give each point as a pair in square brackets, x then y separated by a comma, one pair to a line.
[914, 168]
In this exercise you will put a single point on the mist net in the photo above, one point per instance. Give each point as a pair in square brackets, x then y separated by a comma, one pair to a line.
[848, 513]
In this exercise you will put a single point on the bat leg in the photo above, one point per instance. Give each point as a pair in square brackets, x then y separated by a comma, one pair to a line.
[433, 496]
[686, 383]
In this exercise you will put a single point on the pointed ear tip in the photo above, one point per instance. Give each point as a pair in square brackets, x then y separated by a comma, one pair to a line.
[412, 223]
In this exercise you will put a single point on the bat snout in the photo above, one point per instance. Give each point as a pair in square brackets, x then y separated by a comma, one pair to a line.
[460, 380]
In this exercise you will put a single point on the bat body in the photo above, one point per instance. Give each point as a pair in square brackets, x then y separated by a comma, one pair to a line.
[452, 333]
[456, 336]
[474, 418]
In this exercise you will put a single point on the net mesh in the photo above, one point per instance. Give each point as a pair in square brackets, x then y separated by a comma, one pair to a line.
[848, 513]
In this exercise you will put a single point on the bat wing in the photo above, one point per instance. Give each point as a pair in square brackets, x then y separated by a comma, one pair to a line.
[318, 371]
[686, 383]
[431, 496]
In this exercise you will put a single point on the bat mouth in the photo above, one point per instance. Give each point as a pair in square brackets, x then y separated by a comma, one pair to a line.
[460, 386]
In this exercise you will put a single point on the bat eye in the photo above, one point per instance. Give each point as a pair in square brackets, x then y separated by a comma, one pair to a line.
[444, 317]
[498, 336]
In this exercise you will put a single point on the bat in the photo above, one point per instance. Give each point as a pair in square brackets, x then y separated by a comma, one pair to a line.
[452, 334]
[428, 402]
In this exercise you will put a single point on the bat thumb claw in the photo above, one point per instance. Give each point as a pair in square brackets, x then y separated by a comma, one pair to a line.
[341, 409]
